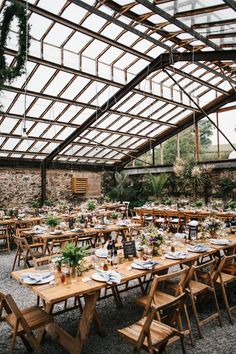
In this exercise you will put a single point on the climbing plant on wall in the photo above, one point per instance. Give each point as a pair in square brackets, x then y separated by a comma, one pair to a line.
[8, 73]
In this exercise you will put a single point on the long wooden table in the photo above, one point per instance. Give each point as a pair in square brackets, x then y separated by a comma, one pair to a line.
[52, 294]
[94, 232]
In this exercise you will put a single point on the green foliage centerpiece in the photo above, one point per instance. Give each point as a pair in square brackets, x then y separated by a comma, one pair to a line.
[73, 256]
[52, 220]
[91, 205]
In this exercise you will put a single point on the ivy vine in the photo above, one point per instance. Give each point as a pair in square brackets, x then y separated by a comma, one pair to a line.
[8, 73]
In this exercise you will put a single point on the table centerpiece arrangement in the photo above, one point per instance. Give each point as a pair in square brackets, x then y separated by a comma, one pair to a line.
[152, 238]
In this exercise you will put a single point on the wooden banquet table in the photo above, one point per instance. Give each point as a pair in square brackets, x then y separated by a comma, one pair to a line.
[188, 214]
[124, 230]
[90, 290]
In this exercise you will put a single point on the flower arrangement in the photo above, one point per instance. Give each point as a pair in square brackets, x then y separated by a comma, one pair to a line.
[152, 237]
[212, 225]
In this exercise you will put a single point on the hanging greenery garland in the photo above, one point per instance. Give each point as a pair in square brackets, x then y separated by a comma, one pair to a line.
[8, 73]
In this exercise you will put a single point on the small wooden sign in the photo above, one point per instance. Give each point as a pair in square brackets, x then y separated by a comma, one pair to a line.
[129, 248]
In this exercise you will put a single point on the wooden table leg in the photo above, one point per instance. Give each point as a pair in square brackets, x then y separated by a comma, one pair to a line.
[88, 314]
[75, 345]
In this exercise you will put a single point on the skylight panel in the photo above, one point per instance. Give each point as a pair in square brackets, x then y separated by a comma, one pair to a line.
[94, 22]
[52, 6]
[58, 83]
[77, 42]
[65, 133]
[74, 13]
[25, 145]
[94, 49]
[39, 107]
[19, 105]
[57, 35]
[10, 144]
[49, 148]
[40, 78]
[52, 132]
[7, 125]
[110, 55]
[91, 91]
[75, 87]
[39, 129]
[6, 98]
[39, 25]
[111, 31]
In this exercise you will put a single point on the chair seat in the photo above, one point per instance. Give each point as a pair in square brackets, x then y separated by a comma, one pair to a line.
[34, 317]
[175, 220]
[159, 332]
[160, 220]
[36, 245]
[226, 278]
[197, 287]
[160, 298]
[148, 218]
[230, 268]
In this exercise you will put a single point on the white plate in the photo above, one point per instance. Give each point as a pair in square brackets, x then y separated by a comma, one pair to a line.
[56, 232]
[195, 250]
[101, 253]
[42, 281]
[220, 242]
[140, 267]
[169, 256]
[98, 277]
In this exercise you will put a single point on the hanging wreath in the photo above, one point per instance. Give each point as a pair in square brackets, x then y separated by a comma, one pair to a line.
[8, 73]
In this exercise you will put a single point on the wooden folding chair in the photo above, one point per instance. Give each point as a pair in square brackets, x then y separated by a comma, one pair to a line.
[225, 275]
[26, 253]
[23, 322]
[56, 245]
[200, 282]
[150, 333]
[164, 289]
[4, 239]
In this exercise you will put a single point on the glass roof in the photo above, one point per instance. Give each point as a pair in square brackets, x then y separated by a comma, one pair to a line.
[83, 53]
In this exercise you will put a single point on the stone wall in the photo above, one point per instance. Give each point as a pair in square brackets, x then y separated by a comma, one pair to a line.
[20, 186]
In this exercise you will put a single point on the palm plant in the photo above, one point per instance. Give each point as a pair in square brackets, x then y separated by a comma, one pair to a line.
[157, 183]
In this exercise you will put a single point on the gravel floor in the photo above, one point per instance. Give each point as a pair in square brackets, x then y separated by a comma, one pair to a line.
[216, 339]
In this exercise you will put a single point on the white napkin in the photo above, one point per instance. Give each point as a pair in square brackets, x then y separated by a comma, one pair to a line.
[110, 276]
[198, 248]
[101, 253]
[222, 241]
[176, 255]
[146, 264]
[35, 277]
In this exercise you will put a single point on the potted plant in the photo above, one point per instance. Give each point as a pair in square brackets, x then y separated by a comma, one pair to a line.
[114, 215]
[73, 255]
[91, 205]
[52, 221]
[198, 204]
[35, 204]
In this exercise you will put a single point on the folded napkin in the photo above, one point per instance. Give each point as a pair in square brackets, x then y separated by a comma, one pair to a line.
[101, 253]
[176, 255]
[222, 241]
[35, 277]
[146, 264]
[110, 277]
[197, 248]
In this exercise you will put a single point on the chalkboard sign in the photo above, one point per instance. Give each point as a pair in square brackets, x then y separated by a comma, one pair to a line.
[192, 232]
[129, 248]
